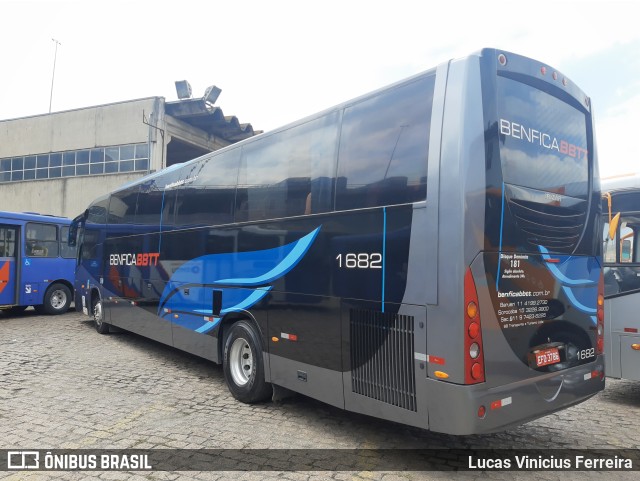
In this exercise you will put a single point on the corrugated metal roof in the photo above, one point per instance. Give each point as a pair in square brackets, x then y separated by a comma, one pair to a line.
[210, 118]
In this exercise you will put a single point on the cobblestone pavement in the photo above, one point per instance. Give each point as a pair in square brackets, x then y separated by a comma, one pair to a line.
[62, 385]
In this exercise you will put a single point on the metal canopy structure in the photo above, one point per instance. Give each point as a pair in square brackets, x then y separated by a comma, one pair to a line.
[211, 119]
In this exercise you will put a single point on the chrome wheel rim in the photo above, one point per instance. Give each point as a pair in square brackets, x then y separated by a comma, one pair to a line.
[58, 299]
[240, 361]
[97, 313]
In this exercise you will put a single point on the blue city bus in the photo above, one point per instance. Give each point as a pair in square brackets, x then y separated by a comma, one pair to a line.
[37, 265]
[428, 253]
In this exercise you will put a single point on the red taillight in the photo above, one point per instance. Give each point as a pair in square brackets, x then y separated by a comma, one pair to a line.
[600, 316]
[473, 350]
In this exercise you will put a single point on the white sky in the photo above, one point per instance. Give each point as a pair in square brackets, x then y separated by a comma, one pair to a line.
[278, 61]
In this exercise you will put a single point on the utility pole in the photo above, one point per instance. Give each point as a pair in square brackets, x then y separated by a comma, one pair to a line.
[53, 76]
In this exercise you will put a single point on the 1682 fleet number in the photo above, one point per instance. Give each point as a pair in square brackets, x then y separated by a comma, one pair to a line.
[360, 260]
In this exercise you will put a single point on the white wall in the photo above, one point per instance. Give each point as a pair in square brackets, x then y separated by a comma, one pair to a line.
[100, 126]
[67, 197]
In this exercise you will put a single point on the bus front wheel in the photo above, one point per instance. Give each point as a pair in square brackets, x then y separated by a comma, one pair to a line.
[98, 317]
[243, 364]
[57, 299]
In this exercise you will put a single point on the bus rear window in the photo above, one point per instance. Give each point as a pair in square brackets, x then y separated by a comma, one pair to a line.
[543, 140]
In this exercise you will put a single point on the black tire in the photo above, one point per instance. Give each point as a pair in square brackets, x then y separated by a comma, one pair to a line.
[243, 364]
[98, 317]
[57, 299]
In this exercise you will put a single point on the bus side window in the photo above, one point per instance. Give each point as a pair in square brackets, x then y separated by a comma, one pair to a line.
[7, 242]
[42, 240]
[621, 256]
[209, 197]
[627, 247]
[3, 243]
[609, 245]
[384, 146]
[289, 173]
[65, 250]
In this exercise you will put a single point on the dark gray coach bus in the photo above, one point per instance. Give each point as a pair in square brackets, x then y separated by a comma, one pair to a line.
[428, 253]
[622, 276]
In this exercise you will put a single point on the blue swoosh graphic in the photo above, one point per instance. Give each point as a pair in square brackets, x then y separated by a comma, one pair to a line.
[577, 290]
[559, 275]
[300, 248]
[576, 303]
[250, 271]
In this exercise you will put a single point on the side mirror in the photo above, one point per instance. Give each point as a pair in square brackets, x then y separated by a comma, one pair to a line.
[613, 225]
[613, 222]
[73, 229]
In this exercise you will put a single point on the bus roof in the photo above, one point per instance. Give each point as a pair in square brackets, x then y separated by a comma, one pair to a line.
[621, 183]
[33, 217]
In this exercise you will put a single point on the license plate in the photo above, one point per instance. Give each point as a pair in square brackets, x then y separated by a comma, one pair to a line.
[546, 357]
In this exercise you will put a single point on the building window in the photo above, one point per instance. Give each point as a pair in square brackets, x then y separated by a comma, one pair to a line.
[101, 160]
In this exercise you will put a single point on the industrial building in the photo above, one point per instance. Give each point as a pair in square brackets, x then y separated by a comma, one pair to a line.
[58, 163]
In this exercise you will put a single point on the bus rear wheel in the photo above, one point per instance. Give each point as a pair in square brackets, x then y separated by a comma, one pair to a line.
[57, 299]
[243, 364]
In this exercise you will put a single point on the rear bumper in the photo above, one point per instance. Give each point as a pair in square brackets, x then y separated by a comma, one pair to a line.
[453, 408]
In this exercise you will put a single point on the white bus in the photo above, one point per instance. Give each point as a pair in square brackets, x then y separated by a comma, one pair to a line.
[621, 205]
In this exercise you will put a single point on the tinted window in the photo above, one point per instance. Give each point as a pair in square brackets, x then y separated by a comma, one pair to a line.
[90, 242]
[42, 240]
[122, 207]
[384, 145]
[97, 212]
[543, 140]
[66, 251]
[289, 173]
[207, 196]
[149, 205]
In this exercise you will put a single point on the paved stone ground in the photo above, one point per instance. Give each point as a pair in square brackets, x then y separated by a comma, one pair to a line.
[62, 385]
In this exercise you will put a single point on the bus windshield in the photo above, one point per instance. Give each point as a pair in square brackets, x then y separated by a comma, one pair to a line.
[543, 140]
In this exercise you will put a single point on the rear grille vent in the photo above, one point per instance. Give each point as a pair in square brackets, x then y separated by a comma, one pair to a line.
[554, 227]
[382, 365]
